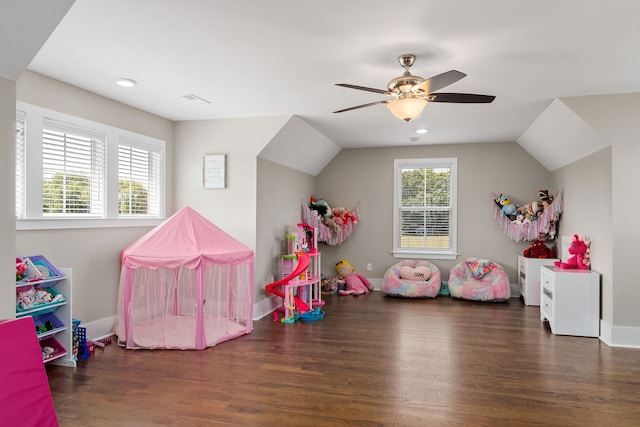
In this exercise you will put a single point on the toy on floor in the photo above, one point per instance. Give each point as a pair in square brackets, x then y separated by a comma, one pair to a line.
[580, 251]
[354, 284]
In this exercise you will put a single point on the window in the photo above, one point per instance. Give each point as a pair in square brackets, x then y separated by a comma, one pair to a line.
[73, 171]
[84, 174]
[20, 148]
[425, 208]
[138, 172]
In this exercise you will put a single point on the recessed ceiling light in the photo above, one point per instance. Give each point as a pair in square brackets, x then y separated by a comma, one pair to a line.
[421, 131]
[124, 82]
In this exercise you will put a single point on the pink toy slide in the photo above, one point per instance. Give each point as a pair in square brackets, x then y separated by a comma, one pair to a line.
[272, 288]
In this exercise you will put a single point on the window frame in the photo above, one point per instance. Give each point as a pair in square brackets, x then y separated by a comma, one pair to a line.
[33, 218]
[425, 253]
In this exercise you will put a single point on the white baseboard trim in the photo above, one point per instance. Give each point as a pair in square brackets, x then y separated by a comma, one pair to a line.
[99, 329]
[266, 306]
[515, 290]
[376, 282]
[619, 336]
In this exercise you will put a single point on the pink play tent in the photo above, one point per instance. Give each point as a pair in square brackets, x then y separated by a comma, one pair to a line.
[185, 285]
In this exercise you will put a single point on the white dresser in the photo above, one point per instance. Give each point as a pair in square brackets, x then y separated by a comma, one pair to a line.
[529, 277]
[570, 301]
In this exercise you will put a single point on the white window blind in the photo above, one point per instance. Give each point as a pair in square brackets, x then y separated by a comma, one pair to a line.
[76, 173]
[425, 216]
[20, 163]
[73, 170]
[139, 180]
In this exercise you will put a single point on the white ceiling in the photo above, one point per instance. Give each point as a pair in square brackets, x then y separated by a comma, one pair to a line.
[282, 57]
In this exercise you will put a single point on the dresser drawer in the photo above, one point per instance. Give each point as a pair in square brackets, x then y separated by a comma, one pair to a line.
[546, 303]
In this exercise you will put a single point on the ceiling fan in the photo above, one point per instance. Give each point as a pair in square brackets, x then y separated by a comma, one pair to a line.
[410, 94]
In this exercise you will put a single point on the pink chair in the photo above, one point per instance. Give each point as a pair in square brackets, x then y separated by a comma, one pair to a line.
[479, 280]
[404, 280]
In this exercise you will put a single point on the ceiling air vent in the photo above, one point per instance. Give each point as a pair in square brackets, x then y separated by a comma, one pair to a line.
[196, 98]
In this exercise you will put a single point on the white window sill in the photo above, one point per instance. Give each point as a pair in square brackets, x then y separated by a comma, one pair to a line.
[423, 255]
[61, 224]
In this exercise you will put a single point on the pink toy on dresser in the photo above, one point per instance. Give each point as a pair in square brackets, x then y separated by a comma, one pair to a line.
[580, 254]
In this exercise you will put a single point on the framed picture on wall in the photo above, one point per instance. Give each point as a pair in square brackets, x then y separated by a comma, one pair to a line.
[214, 170]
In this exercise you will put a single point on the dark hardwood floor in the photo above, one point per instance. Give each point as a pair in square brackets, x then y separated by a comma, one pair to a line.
[372, 361]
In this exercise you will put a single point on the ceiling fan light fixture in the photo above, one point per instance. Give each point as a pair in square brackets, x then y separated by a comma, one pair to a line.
[407, 109]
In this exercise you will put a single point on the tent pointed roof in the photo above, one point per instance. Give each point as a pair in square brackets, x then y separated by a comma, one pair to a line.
[185, 239]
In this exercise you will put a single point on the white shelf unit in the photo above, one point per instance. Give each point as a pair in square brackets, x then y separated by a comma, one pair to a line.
[529, 277]
[570, 301]
[61, 336]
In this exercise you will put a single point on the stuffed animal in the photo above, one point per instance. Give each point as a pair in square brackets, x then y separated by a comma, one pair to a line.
[321, 206]
[355, 284]
[339, 215]
[539, 250]
[545, 199]
[530, 211]
[509, 209]
[580, 252]
[342, 216]
[324, 212]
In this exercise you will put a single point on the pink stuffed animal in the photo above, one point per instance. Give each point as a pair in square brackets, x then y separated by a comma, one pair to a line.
[356, 284]
[580, 254]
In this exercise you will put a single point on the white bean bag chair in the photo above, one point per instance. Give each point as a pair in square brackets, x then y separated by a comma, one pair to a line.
[412, 279]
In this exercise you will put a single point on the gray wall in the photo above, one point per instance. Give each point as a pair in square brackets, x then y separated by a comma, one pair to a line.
[584, 182]
[281, 191]
[615, 117]
[233, 209]
[365, 176]
[7, 196]
[93, 254]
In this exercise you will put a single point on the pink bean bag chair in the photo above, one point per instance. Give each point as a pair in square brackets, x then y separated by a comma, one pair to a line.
[479, 280]
[412, 279]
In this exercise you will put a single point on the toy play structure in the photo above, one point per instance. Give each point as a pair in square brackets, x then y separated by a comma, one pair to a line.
[184, 285]
[299, 287]
[412, 278]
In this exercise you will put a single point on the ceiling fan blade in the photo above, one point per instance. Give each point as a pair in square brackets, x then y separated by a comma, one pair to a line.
[438, 82]
[461, 98]
[362, 106]
[368, 89]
